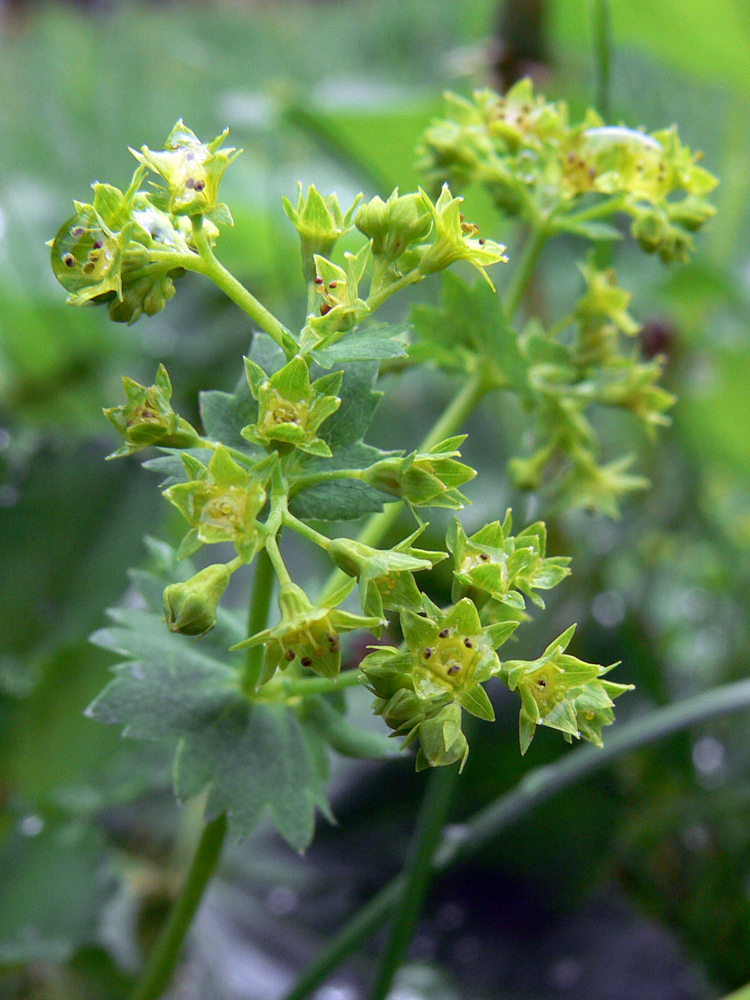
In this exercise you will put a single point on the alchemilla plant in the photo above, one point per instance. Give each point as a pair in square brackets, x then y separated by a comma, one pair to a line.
[255, 707]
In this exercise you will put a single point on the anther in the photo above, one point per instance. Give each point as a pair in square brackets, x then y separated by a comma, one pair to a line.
[332, 284]
[484, 557]
[77, 232]
[190, 183]
[199, 185]
[69, 260]
[454, 668]
[88, 267]
[289, 655]
[306, 661]
[427, 653]
[324, 309]
[444, 633]
[318, 281]
[468, 643]
[542, 683]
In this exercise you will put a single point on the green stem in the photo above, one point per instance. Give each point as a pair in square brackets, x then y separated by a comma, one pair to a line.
[417, 874]
[166, 953]
[451, 420]
[206, 263]
[304, 529]
[302, 687]
[274, 554]
[533, 790]
[260, 604]
[305, 482]
[598, 211]
[741, 994]
[376, 300]
[522, 275]
[601, 23]
[357, 930]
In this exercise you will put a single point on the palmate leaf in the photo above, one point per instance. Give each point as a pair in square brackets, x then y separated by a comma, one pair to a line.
[376, 342]
[468, 321]
[254, 758]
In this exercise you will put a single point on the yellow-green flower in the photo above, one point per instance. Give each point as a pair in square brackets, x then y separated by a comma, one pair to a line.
[222, 502]
[562, 692]
[148, 418]
[291, 408]
[307, 633]
[193, 172]
[456, 239]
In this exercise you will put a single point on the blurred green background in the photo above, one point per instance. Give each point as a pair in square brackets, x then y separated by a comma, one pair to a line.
[637, 884]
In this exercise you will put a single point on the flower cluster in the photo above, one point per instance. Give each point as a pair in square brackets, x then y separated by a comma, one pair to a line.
[534, 162]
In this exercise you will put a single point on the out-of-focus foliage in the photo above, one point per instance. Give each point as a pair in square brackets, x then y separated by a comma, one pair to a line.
[667, 589]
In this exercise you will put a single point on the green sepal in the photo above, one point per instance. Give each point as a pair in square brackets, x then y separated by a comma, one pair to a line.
[291, 409]
[190, 607]
[192, 171]
[148, 418]
[320, 224]
[222, 501]
[426, 480]
[306, 633]
[455, 239]
[562, 692]
[441, 740]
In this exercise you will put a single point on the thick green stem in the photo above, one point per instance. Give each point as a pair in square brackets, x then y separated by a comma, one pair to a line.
[526, 266]
[535, 788]
[417, 875]
[260, 604]
[376, 300]
[166, 953]
[451, 420]
[274, 554]
[357, 930]
[601, 210]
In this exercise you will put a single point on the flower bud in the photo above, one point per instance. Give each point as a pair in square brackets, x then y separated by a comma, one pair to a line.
[403, 711]
[190, 607]
[385, 676]
[691, 213]
[394, 225]
[441, 740]
[320, 224]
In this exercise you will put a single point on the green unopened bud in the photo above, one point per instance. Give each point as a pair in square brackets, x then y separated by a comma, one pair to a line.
[190, 607]
[320, 224]
[403, 711]
[441, 740]
[147, 294]
[394, 225]
[384, 674]
[692, 212]
[426, 480]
